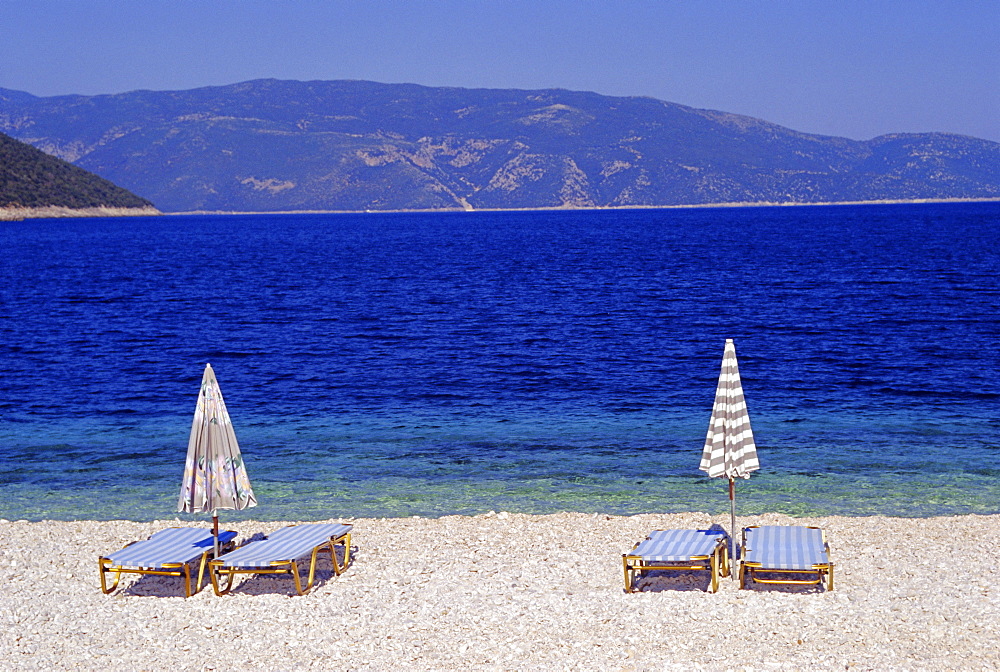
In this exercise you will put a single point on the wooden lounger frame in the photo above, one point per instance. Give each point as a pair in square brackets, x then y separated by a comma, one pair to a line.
[822, 571]
[717, 563]
[217, 570]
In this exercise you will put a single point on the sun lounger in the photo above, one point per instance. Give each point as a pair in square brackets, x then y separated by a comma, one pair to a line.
[279, 553]
[169, 552]
[678, 550]
[786, 549]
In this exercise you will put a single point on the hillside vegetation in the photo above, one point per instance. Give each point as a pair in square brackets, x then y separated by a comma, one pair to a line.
[30, 178]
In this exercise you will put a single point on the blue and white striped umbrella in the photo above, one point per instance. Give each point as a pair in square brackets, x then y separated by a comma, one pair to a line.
[729, 447]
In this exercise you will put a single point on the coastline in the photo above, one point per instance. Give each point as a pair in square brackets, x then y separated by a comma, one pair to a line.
[11, 214]
[15, 214]
[571, 208]
[513, 591]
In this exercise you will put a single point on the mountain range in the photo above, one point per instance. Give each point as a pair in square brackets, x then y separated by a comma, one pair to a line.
[270, 145]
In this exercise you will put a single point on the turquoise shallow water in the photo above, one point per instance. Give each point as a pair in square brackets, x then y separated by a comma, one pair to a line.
[395, 466]
[393, 365]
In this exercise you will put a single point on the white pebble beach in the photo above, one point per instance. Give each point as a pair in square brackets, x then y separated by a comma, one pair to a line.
[505, 591]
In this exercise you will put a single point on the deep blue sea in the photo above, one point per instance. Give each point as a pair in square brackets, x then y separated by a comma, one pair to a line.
[430, 364]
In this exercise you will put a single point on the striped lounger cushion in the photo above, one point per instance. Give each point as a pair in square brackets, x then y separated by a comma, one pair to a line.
[785, 547]
[677, 545]
[288, 543]
[170, 546]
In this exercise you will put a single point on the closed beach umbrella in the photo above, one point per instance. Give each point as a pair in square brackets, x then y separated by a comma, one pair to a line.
[729, 448]
[214, 474]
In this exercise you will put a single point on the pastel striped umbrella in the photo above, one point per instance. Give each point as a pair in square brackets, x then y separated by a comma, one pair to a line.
[214, 474]
[729, 448]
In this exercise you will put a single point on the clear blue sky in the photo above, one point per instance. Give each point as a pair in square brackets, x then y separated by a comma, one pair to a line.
[855, 68]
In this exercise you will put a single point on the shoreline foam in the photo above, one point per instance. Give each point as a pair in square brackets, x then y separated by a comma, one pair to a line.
[512, 591]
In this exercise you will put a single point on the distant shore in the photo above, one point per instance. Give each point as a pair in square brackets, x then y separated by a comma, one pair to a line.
[754, 204]
[511, 591]
[17, 214]
[59, 211]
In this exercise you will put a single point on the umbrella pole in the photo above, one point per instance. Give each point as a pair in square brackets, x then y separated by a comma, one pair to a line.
[732, 523]
[215, 530]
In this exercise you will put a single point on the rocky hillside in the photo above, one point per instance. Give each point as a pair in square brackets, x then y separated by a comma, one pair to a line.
[347, 145]
[30, 178]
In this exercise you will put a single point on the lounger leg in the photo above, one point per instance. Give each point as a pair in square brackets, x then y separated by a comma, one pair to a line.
[333, 558]
[295, 575]
[339, 568]
[628, 575]
[201, 571]
[830, 578]
[102, 564]
[743, 571]
[312, 563]
[213, 572]
[187, 580]
[714, 569]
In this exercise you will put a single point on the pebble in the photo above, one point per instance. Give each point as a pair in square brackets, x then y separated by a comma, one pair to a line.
[507, 591]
